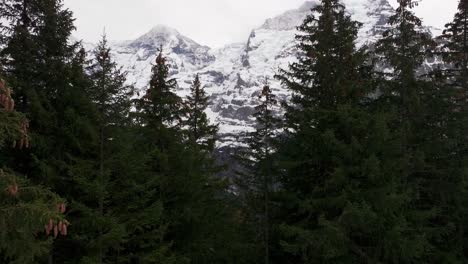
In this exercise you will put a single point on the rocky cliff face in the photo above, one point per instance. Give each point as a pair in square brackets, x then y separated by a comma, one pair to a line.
[233, 75]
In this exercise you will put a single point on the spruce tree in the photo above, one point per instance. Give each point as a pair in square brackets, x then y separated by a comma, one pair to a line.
[19, 47]
[403, 49]
[111, 97]
[181, 197]
[450, 85]
[25, 208]
[424, 121]
[257, 178]
[160, 106]
[50, 76]
[109, 90]
[158, 116]
[343, 198]
[198, 126]
[456, 45]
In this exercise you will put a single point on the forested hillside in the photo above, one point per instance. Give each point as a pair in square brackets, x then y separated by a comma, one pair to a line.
[364, 161]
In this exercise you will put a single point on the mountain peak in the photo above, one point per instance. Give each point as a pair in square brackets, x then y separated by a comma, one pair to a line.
[162, 30]
[158, 35]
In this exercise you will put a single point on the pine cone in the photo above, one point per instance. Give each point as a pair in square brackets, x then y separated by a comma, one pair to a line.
[51, 225]
[64, 230]
[60, 226]
[13, 189]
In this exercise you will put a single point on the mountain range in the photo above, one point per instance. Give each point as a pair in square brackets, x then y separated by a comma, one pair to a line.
[234, 74]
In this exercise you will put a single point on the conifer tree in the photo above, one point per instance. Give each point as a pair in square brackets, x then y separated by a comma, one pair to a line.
[160, 106]
[404, 48]
[109, 89]
[456, 46]
[450, 84]
[257, 179]
[19, 47]
[181, 196]
[455, 55]
[25, 208]
[198, 126]
[343, 199]
[49, 74]
[425, 116]
[158, 115]
[111, 96]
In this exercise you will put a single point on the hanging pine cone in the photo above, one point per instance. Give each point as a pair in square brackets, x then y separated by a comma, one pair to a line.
[60, 226]
[61, 208]
[55, 231]
[5, 97]
[50, 225]
[47, 230]
[9, 105]
[13, 189]
[64, 230]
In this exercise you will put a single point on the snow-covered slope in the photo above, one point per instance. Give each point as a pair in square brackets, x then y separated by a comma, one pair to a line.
[137, 56]
[234, 74]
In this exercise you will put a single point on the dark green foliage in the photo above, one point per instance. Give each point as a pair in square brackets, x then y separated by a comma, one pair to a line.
[198, 128]
[24, 208]
[425, 114]
[111, 98]
[404, 48]
[367, 167]
[456, 46]
[157, 112]
[109, 90]
[321, 40]
[187, 220]
[160, 106]
[51, 92]
[22, 219]
[257, 178]
[448, 109]
[344, 198]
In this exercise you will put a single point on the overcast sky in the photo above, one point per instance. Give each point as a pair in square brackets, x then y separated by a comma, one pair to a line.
[209, 22]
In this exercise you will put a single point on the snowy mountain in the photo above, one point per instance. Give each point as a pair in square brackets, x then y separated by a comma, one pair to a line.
[137, 56]
[233, 75]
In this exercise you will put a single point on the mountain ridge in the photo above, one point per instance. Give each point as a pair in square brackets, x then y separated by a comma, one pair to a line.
[233, 75]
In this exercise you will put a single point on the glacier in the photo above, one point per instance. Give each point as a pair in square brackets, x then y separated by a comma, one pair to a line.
[234, 74]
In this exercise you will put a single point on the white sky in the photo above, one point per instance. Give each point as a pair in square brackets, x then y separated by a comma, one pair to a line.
[209, 22]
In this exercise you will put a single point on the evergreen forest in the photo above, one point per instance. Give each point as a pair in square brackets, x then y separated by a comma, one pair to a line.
[367, 163]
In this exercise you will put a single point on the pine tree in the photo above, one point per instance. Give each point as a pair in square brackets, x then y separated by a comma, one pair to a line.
[158, 116]
[19, 47]
[257, 179]
[198, 126]
[160, 106]
[25, 208]
[422, 121]
[450, 85]
[343, 198]
[322, 79]
[50, 76]
[181, 197]
[111, 96]
[109, 89]
[456, 46]
[403, 48]
[35, 55]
